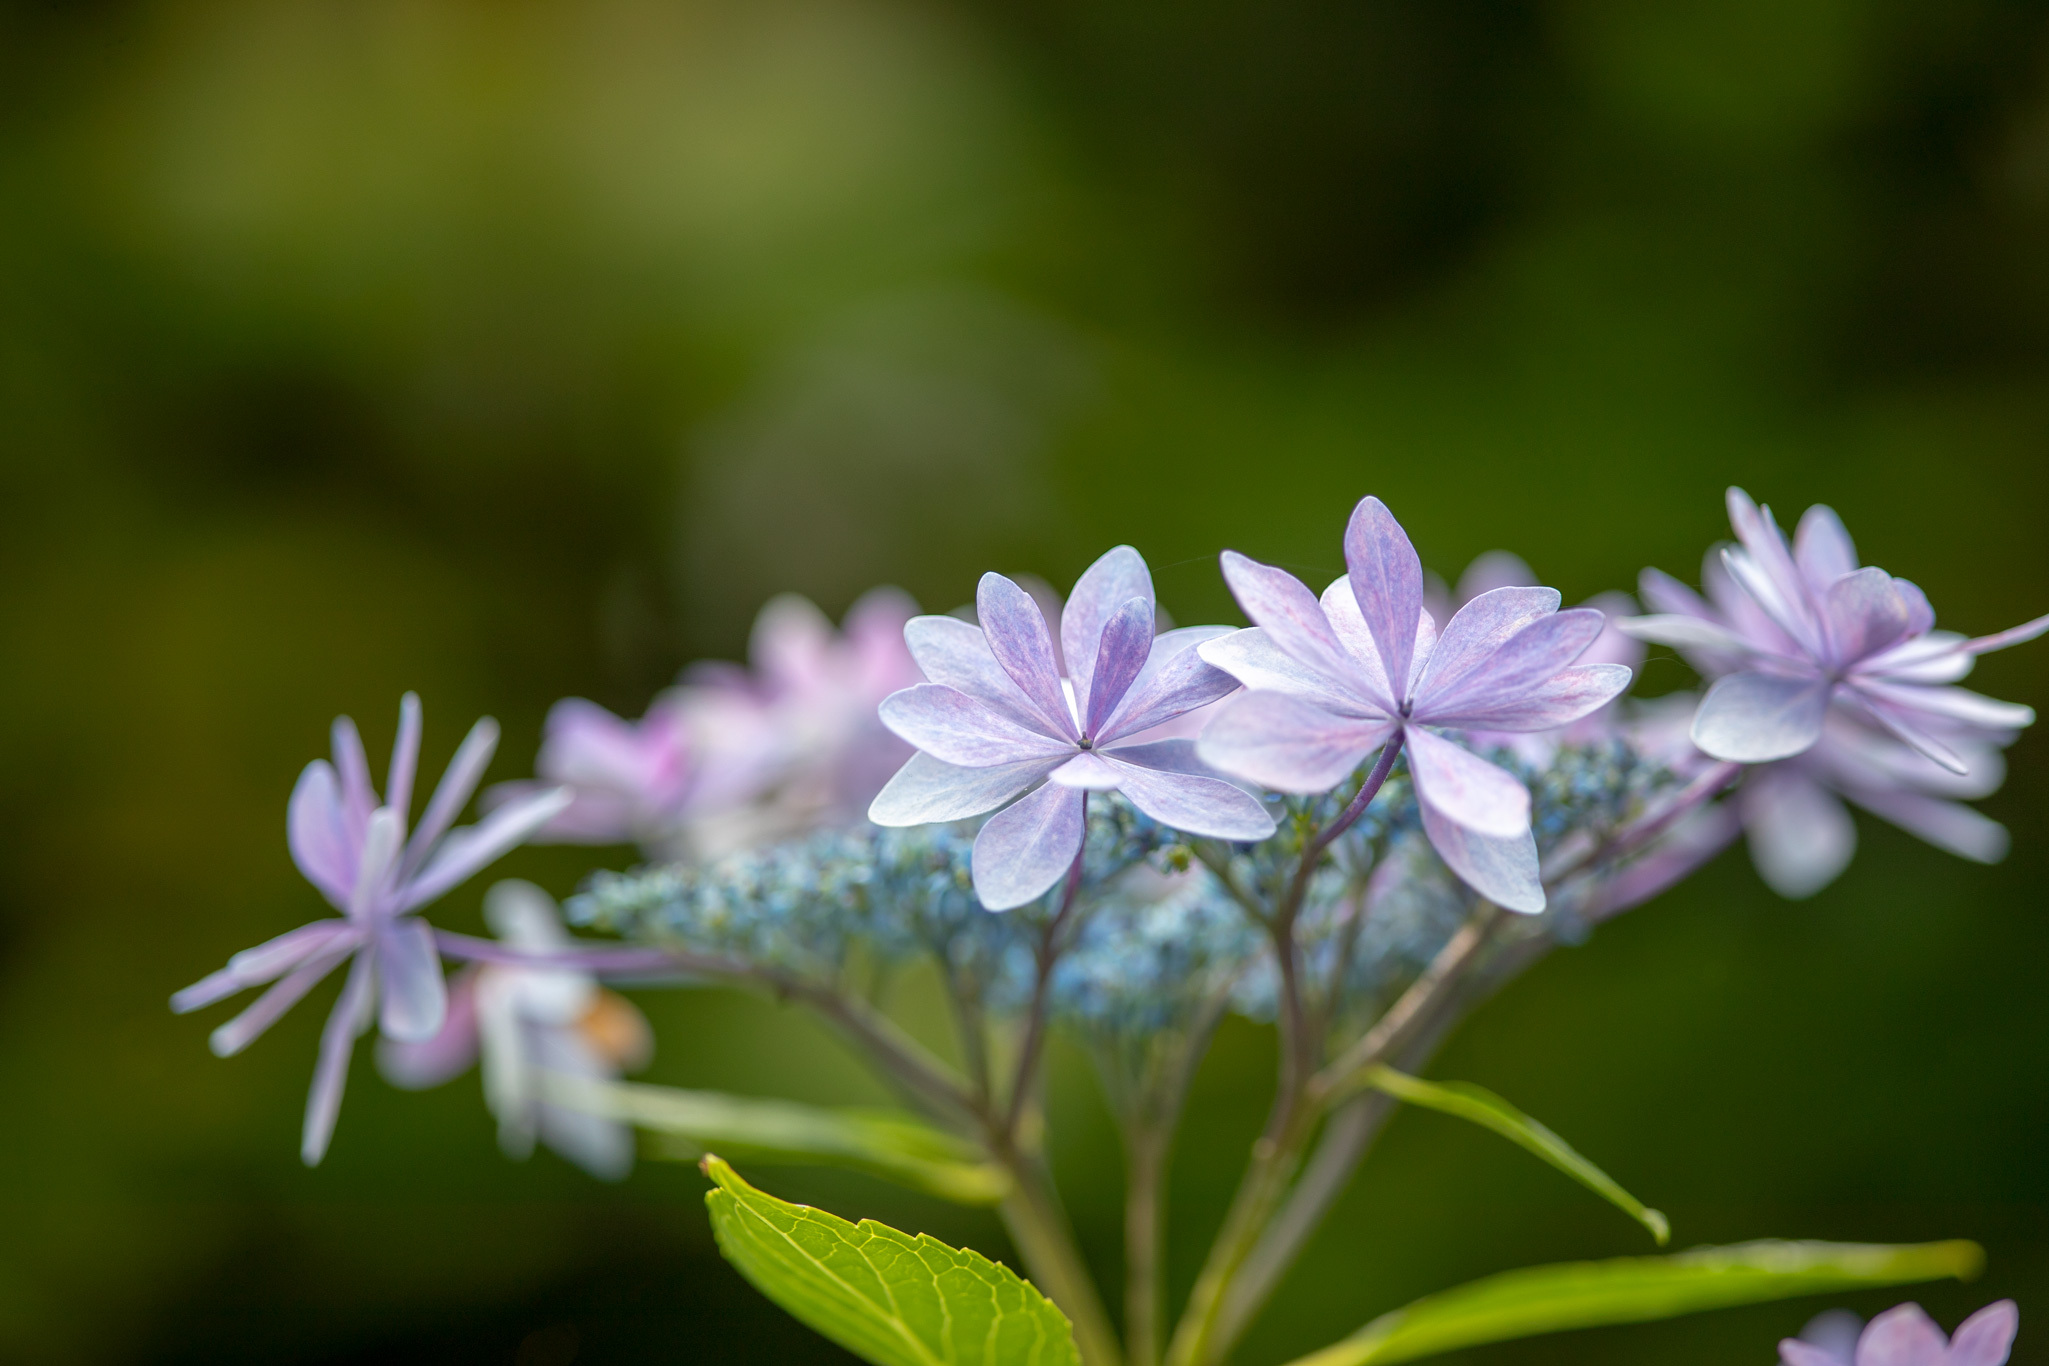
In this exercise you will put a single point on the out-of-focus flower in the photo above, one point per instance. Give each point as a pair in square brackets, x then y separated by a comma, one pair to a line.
[1790, 631]
[1801, 837]
[733, 757]
[1332, 680]
[816, 752]
[998, 723]
[527, 1022]
[1906, 1336]
[355, 850]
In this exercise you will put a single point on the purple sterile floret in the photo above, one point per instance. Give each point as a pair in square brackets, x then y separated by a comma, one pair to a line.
[1905, 1336]
[354, 848]
[1332, 679]
[1790, 631]
[998, 725]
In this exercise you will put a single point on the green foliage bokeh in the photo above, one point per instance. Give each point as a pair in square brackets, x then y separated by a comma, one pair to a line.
[508, 352]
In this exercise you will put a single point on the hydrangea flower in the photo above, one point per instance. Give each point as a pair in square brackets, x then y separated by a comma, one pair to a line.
[1906, 1336]
[1791, 630]
[733, 757]
[1334, 679]
[354, 849]
[1801, 837]
[527, 1022]
[999, 726]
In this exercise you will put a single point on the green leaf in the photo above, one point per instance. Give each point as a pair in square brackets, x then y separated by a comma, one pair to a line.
[780, 1131]
[885, 1296]
[1484, 1108]
[1551, 1299]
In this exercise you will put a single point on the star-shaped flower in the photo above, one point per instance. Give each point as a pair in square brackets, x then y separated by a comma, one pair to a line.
[1790, 630]
[998, 724]
[354, 849]
[1332, 680]
[1905, 1336]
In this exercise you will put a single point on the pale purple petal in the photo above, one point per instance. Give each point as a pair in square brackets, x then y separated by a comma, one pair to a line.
[316, 829]
[288, 950]
[449, 1054]
[474, 847]
[1920, 612]
[1684, 633]
[1527, 660]
[1501, 868]
[1018, 638]
[1822, 548]
[1953, 704]
[359, 799]
[2013, 635]
[1751, 718]
[1944, 824]
[953, 727]
[1257, 661]
[1937, 657]
[1086, 771]
[452, 793]
[238, 1033]
[1910, 726]
[1766, 570]
[1491, 570]
[1477, 630]
[931, 789]
[1801, 837]
[1028, 846]
[1175, 754]
[1793, 1352]
[926, 789]
[1697, 838]
[1288, 744]
[377, 866]
[1465, 788]
[252, 967]
[1387, 582]
[1835, 1330]
[1209, 807]
[1665, 595]
[955, 653]
[1902, 1336]
[1282, 605]
[1613, 646]
[1367, 678]
[405, 757]
[593, 816]
[415, 999]
[790, 642]
[345, 1023]
[1176, 680]
[1986, 1337]
[1098, 595]
[1127, 641]
[1562, 699]
[1863, 613]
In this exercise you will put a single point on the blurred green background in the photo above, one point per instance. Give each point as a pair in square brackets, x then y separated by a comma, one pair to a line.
[520, 349]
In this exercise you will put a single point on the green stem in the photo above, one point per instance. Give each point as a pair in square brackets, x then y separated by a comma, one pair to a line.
[1145, 1270]
[1038, 1226]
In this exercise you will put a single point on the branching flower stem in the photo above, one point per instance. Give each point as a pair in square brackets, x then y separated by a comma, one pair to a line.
[1407, 1033]
[1294, 1116]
